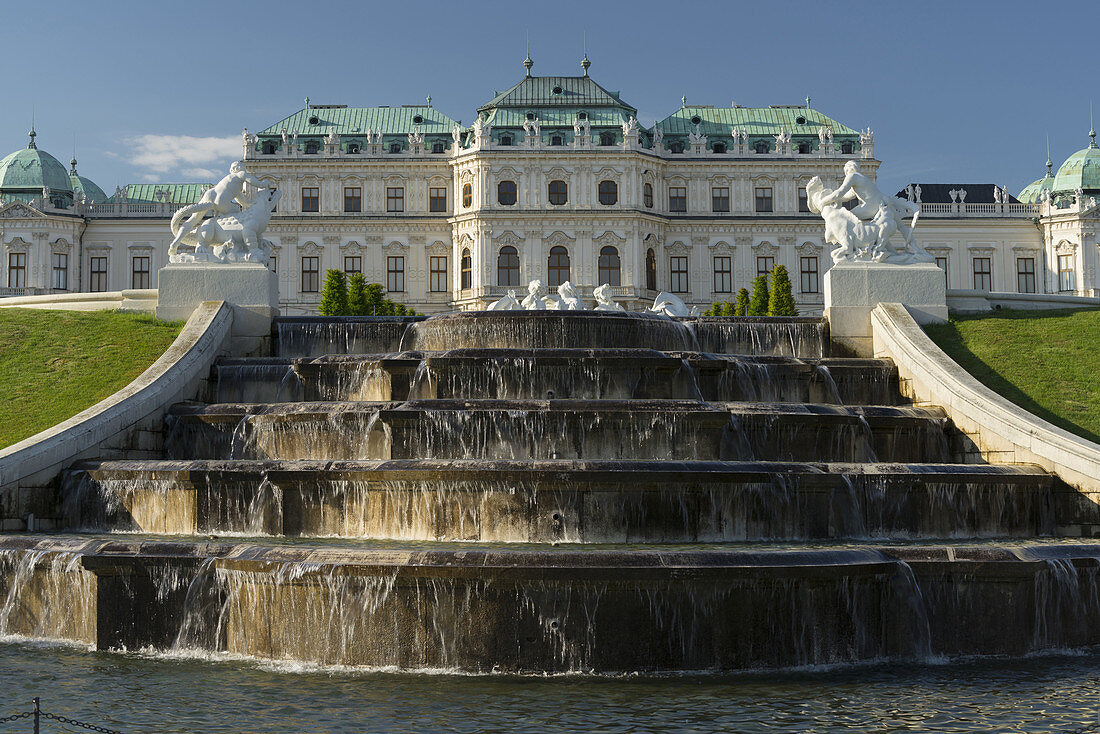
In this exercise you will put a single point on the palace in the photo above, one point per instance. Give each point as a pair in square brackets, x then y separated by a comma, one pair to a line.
[555, 179]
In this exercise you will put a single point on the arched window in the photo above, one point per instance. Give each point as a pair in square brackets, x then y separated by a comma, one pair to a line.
[269, 147]
[650, 270]
[395, 148]
[676, 146]
[505, 139]
[508, 266]
[556, 140]
[607, 138]
[846, 148]
[557, 192]
[609, 266]
[312, 147]
[719, 147]
[506, 193]
[804, 148]
[761, 146]
[467, 195]
[467, 269]
[353, 148]
[609, 192]
[647, 195]
[558, 266]
[438, 147]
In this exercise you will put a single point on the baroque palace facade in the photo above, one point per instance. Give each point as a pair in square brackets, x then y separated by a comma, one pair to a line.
[555, 180]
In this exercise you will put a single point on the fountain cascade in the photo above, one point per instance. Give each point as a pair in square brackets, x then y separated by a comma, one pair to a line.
[557, 491]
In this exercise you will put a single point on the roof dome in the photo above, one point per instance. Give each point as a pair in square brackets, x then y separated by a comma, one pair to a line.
[1081, 170]
[87, 186]
[26, 171]
[1032, 192]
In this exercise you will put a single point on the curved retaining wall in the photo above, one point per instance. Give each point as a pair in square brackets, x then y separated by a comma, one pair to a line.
[128, 423]
[144, 300]
[971, 301]
[1002, 431]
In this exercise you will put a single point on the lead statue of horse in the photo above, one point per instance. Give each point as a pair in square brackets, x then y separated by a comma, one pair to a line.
[234, 237]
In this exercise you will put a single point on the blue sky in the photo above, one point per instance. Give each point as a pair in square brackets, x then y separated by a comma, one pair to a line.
[959, 92]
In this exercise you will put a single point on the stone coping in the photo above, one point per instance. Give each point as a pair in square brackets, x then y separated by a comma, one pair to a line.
[1003, 431]
[32, 465]
[144, 300]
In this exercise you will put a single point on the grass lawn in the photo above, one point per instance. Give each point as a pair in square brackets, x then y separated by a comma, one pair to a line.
[1047, 362]
[54, 364]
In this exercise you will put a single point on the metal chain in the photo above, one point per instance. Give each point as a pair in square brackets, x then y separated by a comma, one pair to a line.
[74, 722]
[16, 717]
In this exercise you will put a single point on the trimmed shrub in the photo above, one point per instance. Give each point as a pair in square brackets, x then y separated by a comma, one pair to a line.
[334, 294]
[742, 307]
[758, 302]
[781, 300]
[357, 295]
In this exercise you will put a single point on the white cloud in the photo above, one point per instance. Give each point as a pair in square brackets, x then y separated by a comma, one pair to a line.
[163, 153]
[202, 174]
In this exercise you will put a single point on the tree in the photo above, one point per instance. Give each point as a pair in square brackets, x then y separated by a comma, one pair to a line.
[374, 300]
[781, 300]
[758, 303]
[742, 307]
[334, 294]
[357, 295]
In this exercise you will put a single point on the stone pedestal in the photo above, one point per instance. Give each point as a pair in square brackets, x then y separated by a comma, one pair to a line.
[853, 289]
[250, 288]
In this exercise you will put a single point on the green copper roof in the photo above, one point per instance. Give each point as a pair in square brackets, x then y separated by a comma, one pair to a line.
[758, 121]
[29, 169]
[1080, 171]
[558, 117]
[1031, 192]
[353, 121]
[573, 92]
[87, 186]
[181, 193]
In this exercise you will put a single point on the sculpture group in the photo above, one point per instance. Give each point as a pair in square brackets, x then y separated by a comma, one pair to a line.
[227, 224]
[539, 298]
[863, 233]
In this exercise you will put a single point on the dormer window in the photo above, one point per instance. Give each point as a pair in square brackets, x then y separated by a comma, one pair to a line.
[438, 147]
[353, 148]
[313, 147]
[761, 147]
[804, 148]
[719, 147]
[607, 138]
[846, 148]
[269, 148]
[556, 140]
[676, 146]
[505, 139]
[395, 148]
[417, 119]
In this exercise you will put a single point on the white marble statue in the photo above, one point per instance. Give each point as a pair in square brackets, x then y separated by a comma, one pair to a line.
[508, 303]
[536, 292]
[821, 135]
[220, 200]
[864, 232]
[631, 130]
[996, 195]
[229, 238]
[697, 137]
[416, 137]
[567, 299]
[604, 301]
[333, 137]
[456, 135]
[658, 136]
[666, 304]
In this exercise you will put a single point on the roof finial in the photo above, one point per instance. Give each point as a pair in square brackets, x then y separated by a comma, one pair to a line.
[307, 103]
[73, 161]
[527, 62]
[585, 63]
[684, 101]
[1092, 128]
[429, 100]
[32, 133]
[1050, 165]
[807, 101]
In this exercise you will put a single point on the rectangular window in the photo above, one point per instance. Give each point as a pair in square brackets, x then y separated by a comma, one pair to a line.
[941, 263]
[438, 272]
[353, 264]
[765, 265]
[395, 199]
[1025, 274]
[437, 200]
[311, 199]
[677, 199]
[809, 273]
[273, 263]
[803, 201]
[97, 281]
[720, 199]
[353, 199]
[139, 271]
[17, 270]
[311, 274]
[61, 271]
[395, 274]
[723, 274]
[1065, 274]
[764, 199]
[983, 274]
[678, 270]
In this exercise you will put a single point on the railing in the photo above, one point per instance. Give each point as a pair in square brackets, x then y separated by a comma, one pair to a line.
[17, 292]
[131, 209]
[980, 210]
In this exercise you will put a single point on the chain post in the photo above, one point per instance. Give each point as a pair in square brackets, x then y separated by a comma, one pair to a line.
[37, 712]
